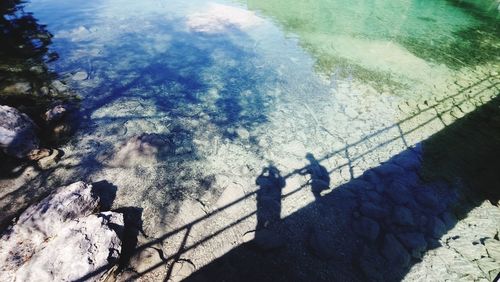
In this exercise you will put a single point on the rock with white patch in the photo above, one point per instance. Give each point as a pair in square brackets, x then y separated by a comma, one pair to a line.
[17, 133]
[60, 239]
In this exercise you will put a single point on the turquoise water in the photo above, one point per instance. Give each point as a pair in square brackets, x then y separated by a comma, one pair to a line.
[232, 86]
[184, 102]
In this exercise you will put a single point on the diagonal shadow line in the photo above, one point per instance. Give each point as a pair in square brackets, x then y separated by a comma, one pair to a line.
[349, 163]
[296, 171]
[182, 249]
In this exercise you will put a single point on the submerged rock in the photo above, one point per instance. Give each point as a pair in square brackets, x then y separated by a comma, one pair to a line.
[17, 133]
[18, 88]
[141, 149]
[81, 75]
[55, 113]
[59, 239]
[38, 154]
[59, 86]
[49, 161]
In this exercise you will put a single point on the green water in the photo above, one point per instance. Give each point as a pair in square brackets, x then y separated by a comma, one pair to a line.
[367, 36]
[183, 103]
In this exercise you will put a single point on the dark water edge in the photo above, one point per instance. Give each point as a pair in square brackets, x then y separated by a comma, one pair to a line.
[26, 81]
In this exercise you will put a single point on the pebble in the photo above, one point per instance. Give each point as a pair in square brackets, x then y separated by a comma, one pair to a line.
[49, 161]
[55, 113]
[243, 133]
[18, 88]
[59, 86]
[81, 75]
[38, 154]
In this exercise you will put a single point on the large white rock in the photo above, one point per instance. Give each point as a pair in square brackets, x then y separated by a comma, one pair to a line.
[17, 133]
[60, 239]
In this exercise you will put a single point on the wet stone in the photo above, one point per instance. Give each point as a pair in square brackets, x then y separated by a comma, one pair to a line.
[59, 86]
[38, 154]
[18, 88]
[81, 75]
[17, 133]
[49, 161]
[55, 113]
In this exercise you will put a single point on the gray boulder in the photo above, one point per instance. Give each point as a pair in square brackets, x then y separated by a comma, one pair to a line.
[17, 133]
[61, 239]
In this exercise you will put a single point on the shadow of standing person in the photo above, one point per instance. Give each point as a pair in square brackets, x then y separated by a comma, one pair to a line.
[320, 179]
[270, 184]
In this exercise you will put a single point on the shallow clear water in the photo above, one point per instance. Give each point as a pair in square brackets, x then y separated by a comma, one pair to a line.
[232, 86]
[225, 88]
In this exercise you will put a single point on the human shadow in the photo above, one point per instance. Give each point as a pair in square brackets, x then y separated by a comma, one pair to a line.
[320, 178]
[379, 225]
[270, 184]
[128, 233]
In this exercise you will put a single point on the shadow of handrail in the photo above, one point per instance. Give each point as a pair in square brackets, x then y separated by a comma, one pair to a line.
[438, 115]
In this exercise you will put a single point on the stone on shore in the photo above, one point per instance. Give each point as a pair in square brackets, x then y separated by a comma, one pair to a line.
[17, 133]
[61, 239]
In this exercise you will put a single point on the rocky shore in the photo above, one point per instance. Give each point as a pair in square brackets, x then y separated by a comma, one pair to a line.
[64, 237]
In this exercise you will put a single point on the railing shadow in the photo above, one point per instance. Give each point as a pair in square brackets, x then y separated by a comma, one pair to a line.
[397, 192]
[377, 226]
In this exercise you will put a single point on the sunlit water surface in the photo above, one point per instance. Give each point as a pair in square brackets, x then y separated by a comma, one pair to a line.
[231, 86]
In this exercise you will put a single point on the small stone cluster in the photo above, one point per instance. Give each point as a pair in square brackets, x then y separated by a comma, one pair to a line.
[22, 138]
